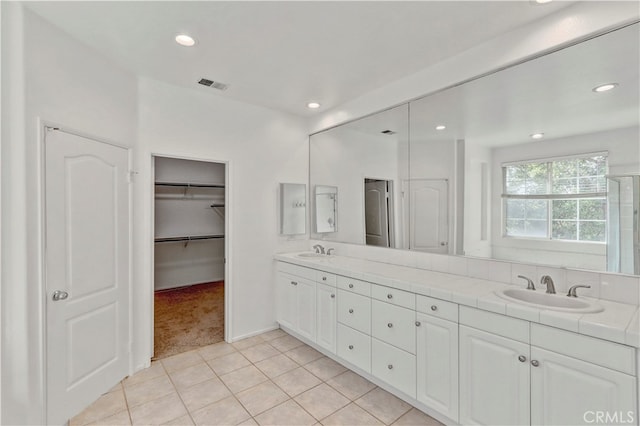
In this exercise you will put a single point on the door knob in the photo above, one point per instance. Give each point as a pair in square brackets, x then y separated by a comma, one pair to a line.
[59, 295]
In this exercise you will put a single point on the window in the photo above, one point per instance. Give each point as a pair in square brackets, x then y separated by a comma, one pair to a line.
[558, 199]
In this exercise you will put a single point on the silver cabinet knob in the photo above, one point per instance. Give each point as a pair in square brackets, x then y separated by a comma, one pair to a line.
[434, 308]
[324, 278]
[535, 363]
[389, 296]
[389, 325]
[350, 347]
[350, 311]
[294, 283]
[390, 366]
[333, 296]
[59, 295]
[417, 323]
[350, 285]
[522, 358]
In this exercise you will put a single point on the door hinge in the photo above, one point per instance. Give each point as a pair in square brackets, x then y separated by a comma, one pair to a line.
[131, 175]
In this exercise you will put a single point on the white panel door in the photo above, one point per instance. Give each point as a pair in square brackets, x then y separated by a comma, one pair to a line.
[567, 391]
[376, 213]
[306, 308]
[494, 380]
[326, 317]
[437, 364]
[87, 270]
[428, 215]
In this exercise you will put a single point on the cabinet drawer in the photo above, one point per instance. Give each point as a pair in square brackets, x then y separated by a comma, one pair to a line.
[354, 347]
[391, 295]
[437, 308]
[356, 286]
[326, 278]
[354, 310]
[394, 325]
[501, 325]
[606, 354]
[394, 366]
[299, 271]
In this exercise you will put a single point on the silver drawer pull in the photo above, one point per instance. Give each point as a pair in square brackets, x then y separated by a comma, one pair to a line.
[294, 283]
[434, 308]
[389, 296]
[350, 285]
[324, 278]
[333, 296]
[59, 295]
[350, 311]
[390, 366]
[417, 323]
[390, 325]
[522, 358]
[350, 347]
[535, 363]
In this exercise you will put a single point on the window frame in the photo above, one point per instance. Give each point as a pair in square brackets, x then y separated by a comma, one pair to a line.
[550, 197]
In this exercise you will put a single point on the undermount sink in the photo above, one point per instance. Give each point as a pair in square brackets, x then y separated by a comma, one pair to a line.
[314, 255]
[554, 302]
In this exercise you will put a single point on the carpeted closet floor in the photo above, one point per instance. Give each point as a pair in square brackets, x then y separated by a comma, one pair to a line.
[188, 318]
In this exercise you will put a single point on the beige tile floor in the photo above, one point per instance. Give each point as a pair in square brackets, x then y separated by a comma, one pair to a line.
[270, 379]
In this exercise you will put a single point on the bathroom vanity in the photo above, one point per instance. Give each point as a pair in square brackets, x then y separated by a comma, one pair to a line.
[453, 347]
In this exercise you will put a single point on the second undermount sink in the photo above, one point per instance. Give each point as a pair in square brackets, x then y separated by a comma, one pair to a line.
[312, 255]
[554, 302]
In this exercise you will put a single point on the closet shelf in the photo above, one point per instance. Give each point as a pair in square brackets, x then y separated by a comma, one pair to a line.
[188, 238]
[191, 185]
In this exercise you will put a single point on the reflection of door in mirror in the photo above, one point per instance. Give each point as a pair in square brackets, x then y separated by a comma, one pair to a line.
[623, 204]
[428, 215]
[326, 208]
[378, 212]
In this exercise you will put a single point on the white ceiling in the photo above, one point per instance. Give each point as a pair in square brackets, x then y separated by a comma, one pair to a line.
[284, 54]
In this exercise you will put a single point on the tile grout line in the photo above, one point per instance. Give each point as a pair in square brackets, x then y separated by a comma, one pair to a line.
[176, 389]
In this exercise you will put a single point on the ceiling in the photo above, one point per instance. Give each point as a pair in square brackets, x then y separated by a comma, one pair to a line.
[284, 54]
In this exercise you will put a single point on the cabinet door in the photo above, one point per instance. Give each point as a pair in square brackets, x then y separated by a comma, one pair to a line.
[306, 308]
[326, 317]
[565, 390]
[494, 383]
[437, 364]
[287, 290]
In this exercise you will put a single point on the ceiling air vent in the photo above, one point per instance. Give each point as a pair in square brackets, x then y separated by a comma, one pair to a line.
[388, 132]
[214, 84]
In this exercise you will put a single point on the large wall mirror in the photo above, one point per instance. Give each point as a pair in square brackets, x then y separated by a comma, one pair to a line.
[530, 164]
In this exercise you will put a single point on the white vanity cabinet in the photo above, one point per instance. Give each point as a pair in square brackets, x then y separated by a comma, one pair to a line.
[437, 355]
[514, 372]
[296, 300]
[326, 297]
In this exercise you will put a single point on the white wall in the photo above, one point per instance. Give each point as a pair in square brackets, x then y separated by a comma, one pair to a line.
[624, 156]
[57, 79]
[262, 148]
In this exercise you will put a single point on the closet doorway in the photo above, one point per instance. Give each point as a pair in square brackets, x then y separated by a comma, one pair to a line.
[189, 254]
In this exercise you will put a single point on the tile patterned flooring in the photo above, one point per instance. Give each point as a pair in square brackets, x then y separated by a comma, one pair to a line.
[269, 379]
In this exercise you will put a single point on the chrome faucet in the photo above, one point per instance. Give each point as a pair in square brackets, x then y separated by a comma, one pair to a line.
[546, 280]
[572, 290]
[319, 249]
[530, 285]
[329, 250]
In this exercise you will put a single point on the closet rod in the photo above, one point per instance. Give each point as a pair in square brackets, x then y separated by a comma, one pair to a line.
[189, 238]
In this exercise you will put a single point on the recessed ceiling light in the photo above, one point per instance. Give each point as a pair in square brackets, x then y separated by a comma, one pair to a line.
[441, 127]
[542, 1]
[185, 40]
[313, 105]
[537, 136]
[605, 87]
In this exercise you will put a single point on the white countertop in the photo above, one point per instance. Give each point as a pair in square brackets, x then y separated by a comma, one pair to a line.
[618, 322]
